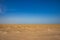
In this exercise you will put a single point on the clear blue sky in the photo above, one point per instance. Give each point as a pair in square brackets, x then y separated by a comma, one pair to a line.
[30, 12]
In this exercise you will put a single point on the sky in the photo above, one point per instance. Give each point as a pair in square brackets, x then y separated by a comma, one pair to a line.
[29, 11]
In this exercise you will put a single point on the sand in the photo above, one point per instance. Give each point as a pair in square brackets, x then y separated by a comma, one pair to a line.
[29, 31]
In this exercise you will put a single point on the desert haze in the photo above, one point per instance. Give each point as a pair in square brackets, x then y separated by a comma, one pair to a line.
[29, 31]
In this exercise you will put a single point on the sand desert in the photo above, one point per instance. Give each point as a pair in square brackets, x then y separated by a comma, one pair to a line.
[29, 31]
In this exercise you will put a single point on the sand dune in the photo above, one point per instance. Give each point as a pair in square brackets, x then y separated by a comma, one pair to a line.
[29, 31]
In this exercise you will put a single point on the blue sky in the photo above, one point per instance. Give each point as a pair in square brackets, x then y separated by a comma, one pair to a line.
[30, 12]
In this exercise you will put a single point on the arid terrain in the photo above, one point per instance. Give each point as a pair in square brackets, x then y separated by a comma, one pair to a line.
[29, 31]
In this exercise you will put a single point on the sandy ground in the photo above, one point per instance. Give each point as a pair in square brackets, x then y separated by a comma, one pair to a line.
[29, 31]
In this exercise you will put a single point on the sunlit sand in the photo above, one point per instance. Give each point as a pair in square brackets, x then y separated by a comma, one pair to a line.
[29, 31]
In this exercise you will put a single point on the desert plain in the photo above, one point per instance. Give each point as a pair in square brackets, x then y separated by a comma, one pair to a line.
[29, 31]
